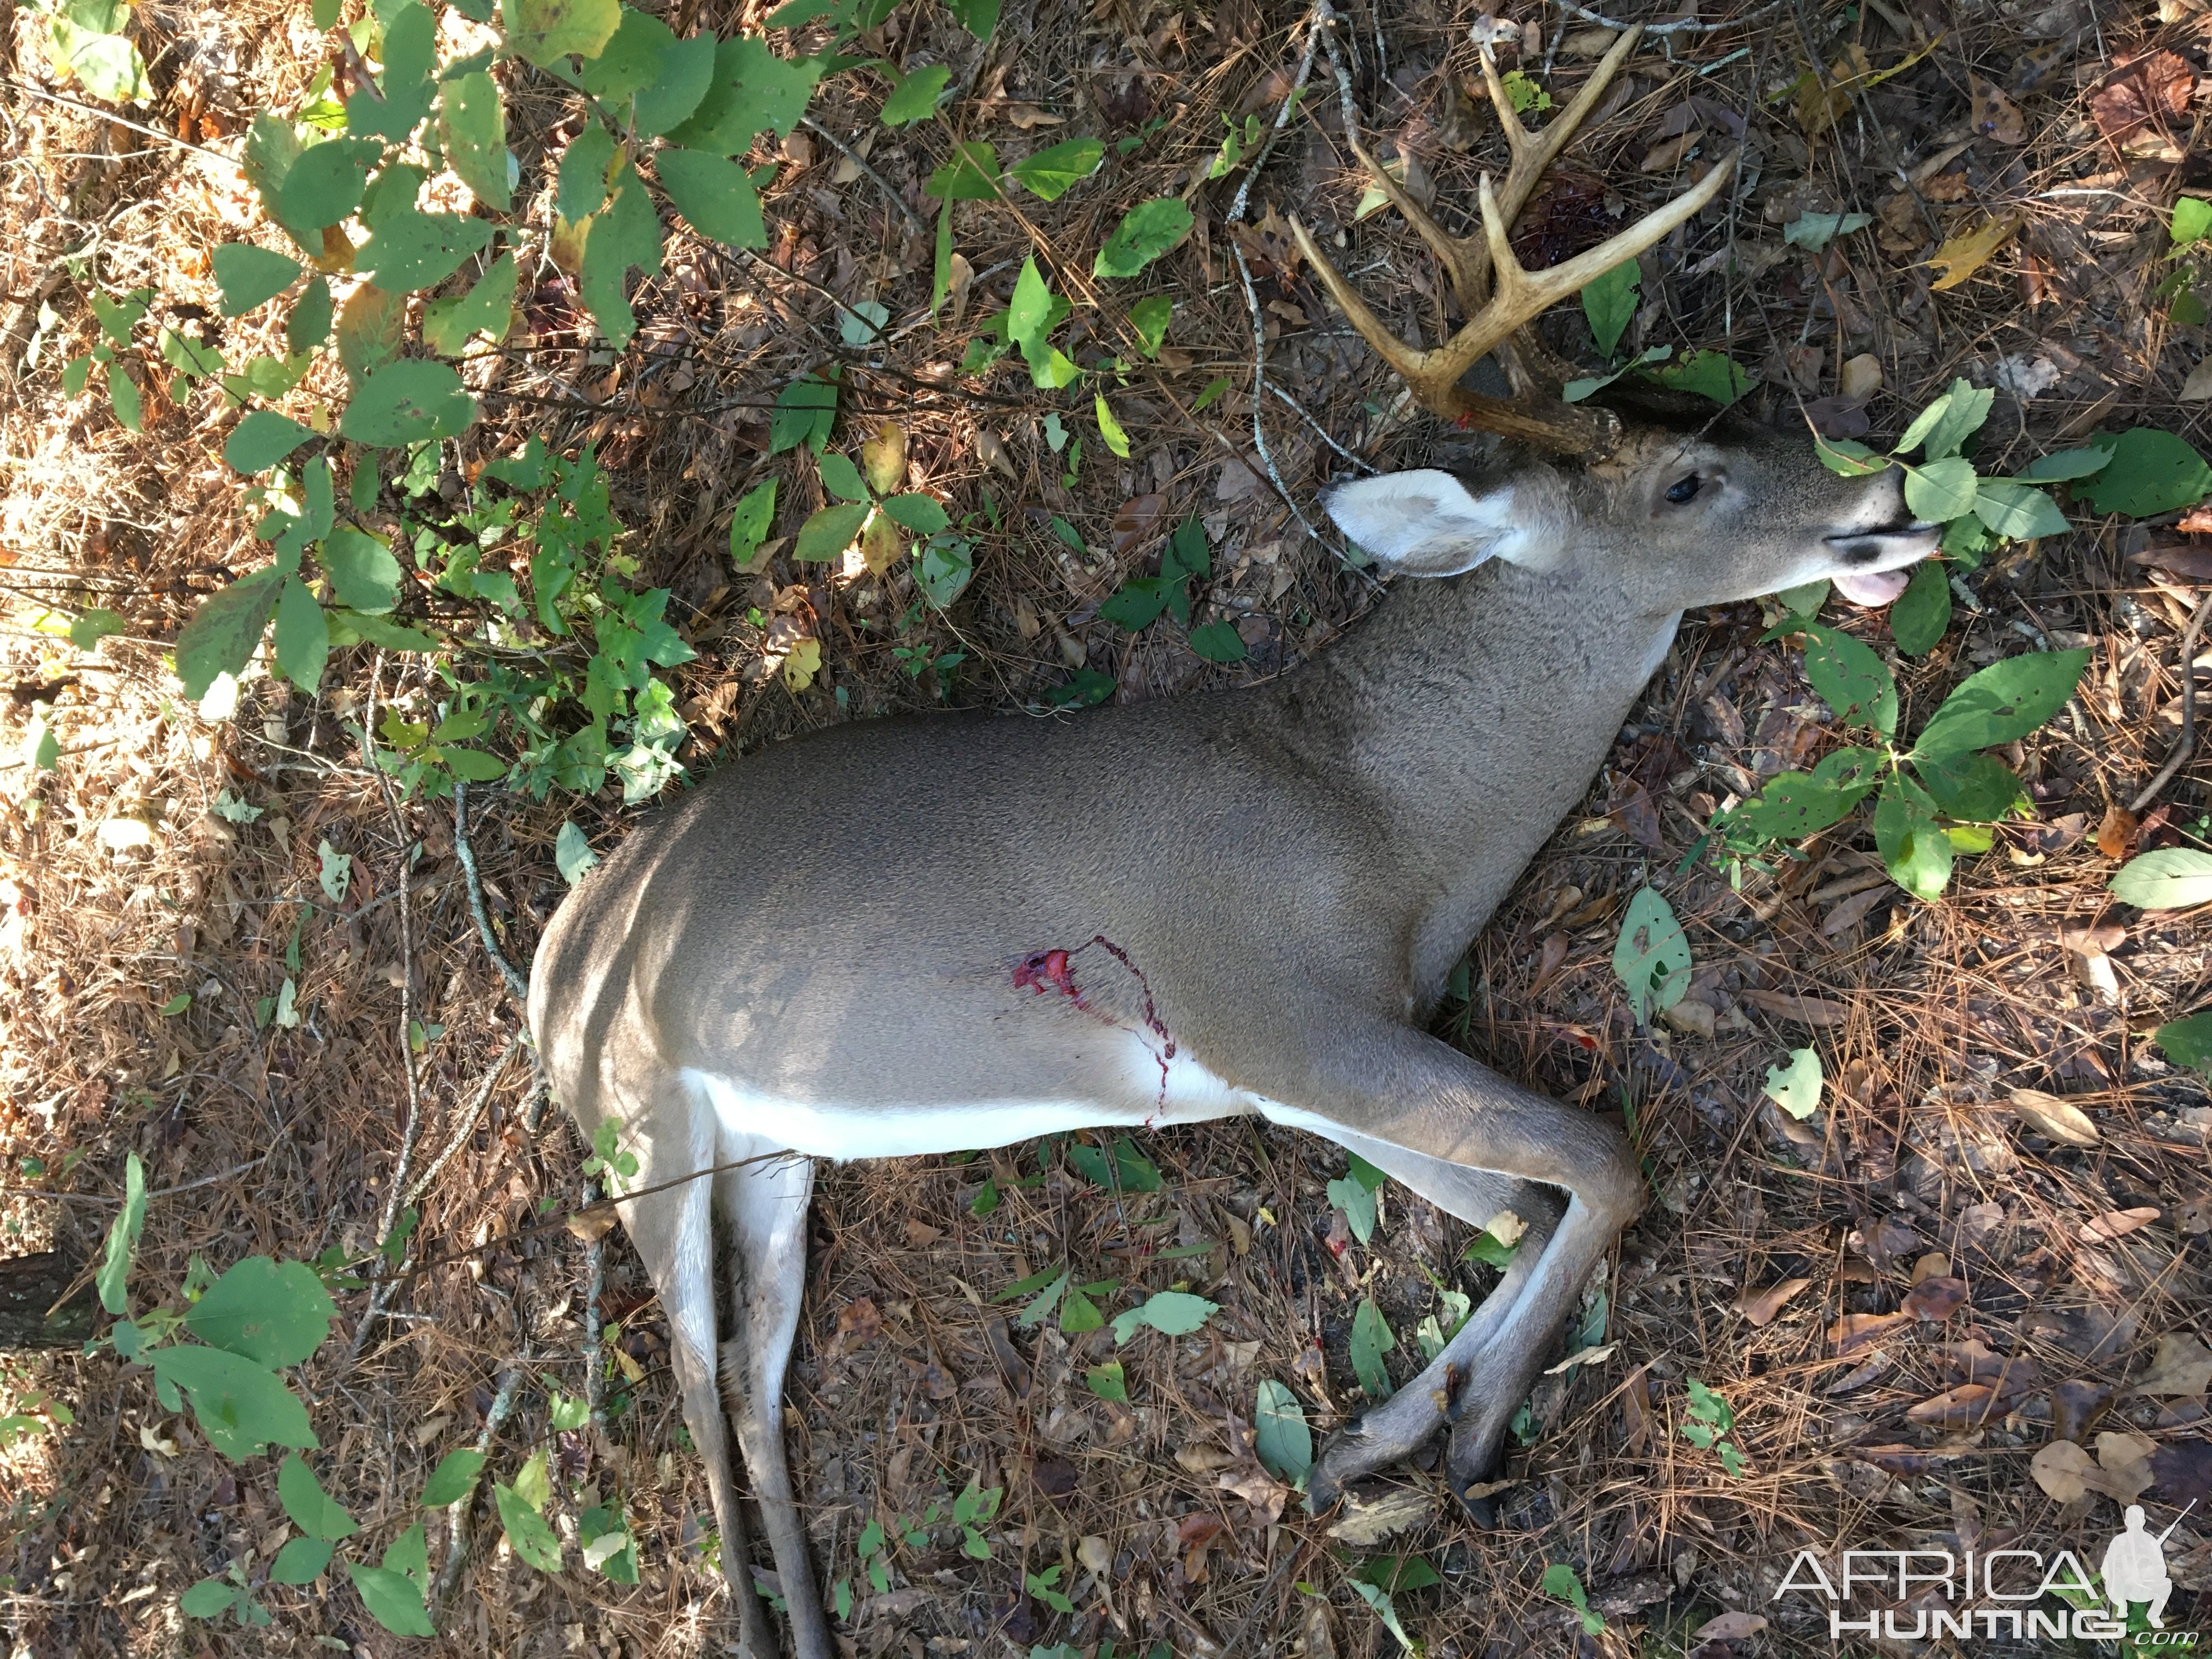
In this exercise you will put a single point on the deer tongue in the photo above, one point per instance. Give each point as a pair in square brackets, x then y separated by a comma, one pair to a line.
[1873, 589]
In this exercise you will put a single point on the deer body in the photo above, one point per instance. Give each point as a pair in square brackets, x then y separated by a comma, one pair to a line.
[957, 932]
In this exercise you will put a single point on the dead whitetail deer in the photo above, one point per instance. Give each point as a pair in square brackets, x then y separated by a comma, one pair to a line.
[933, 934]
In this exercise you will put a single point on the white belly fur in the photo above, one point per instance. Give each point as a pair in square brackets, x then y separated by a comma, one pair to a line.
[1191, 1094]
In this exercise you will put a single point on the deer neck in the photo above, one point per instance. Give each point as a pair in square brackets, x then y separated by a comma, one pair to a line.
[1475, 711]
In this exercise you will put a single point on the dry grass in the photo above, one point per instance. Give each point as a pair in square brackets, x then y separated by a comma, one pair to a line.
[1938, 1013]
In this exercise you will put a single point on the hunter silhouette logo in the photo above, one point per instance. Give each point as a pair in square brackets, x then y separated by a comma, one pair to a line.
[2134, 1568]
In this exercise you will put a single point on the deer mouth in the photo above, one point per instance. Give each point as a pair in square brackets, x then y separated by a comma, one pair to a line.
[1887, 557]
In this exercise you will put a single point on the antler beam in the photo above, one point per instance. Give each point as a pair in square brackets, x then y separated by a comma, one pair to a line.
[1498, 296]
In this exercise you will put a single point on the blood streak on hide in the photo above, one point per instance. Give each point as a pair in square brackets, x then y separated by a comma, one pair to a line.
[1051, 971]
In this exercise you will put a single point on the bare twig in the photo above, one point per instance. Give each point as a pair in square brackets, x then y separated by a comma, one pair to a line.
[468, 1123]
[457, 1541]
[2186, 744]
[595, 1285]
[517, 987]
[113, 119]
[1680, 26]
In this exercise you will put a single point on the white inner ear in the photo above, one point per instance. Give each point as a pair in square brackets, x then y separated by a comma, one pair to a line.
[1427, 523]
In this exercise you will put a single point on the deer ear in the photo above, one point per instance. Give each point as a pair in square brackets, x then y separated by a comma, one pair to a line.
[1428, 523]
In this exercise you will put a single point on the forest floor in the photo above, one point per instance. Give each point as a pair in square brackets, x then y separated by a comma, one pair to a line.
[1835, 1281]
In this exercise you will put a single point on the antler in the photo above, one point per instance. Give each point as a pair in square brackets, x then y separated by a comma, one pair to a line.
[1499, 298]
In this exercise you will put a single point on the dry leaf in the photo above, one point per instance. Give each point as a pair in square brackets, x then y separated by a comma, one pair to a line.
[1934, 1265]
[1733, 1626]
[992, 451]
[1852, 911]
[1506, 1228]
[2116, 830]
[2195, 390]
[1964, 255]
[1997, 116]
[1666, 156]
[2060, 1119]
[1028, 116]
[1366, 1523]
[1812, 1011]
[1856, 1330]
[801, 664]
[1760, 1307]
[2116, 1224]
[2125, 1460]
[2133, 107]
[1202, 1460]
[2065, 1471]
[2182, 1365]
[1935, 1299]
[1966, 1406]
[1860, 376]
[1257, 1487]
[593, 1224]
[2193, 1216]
[2075, 1404]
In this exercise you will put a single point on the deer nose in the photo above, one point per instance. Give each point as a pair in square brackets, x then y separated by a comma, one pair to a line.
[1901, 543]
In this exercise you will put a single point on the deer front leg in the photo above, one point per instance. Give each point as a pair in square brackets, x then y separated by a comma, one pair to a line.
[1451, 1129]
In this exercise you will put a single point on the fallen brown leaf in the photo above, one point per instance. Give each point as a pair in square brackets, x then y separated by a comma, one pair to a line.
[2116, 1224]
[1367, 1523]
[1136, 521]
[1759, 1307]
[857, 1324]
[2124, 1457]
[2061, 1120]
[1855, 1331]
[2193, 1216]
[1812, 1011]
[2182, 1365]
[2117, 830]
[1997, 116]
[1935, 1299]
[1965, 254]
[2132, 107]
[1965, 1406]
[2075, 1404]
[2064, 1471]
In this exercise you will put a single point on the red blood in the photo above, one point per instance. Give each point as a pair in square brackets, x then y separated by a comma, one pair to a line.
[1045, 970]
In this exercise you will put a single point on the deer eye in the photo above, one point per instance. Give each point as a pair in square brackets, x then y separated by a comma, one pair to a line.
[1684, 488]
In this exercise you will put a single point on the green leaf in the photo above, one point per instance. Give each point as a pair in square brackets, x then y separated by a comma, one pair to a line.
[1814, 231]
[804, 412]
[1922, 614]
[583, 176]
[262, 439]
[1847, 458]
[2187, 1042]
[350, 628]
[208, 1599]
[323, 186]
[750, 522]
[410, 1554]
[526, 1530]
[2018, 510]
[1029, 313]
[717, 196]
[2151, 471]
[1796, 1086]
[626, 234]
[1651, 957]
[1149, 317]
[487, 308]
[1849, 677]
[74, 373]
[923, 514]
[1175, 1313]
[1941, 490]
[2068, 464]
[123, 1236]
[1559, 1581]
[309, 324]
[1913, 848]
[2005, 701]
[687, 68]
[841, 478]
[2192, 217]
[394, 1599]
[406, 402]
[249, 276]
[301, 1561]
[914, 98]
[239, 1406]
[472, 128]
[1218, 641]
[970, 176]
[750, 91]
[273, 1312]
[122, 393]
[1109, 429]
[1137, 604]
[1795, 804]
[411, 57]
[413, 250]
[1371, 1338]
[1146, 231]
[311, 1508]
[1712, 375]
[1109, 1381]
[106, 65]
[2172, 878]
[222, 635]
[1051, 174]
[830, 532]
[392, 190]
[632, 58]
[573, 856]
[364, 575]
[1281, 1440]
[1609, 304]
[455, 1477]
[1356, 1200]
[978, 17]
[303, 639]
[372, 329]
[1977, 789]
[944, 570]
[544, 30]
[1490, 1249]
[88, 630]
[1939, 429]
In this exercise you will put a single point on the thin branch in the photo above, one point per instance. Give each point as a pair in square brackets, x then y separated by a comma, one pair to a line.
[2186, 746]
[914, 219]
[169, 138]
[468, 1123]
[517, 986]
[1680, 26]
[457, 1542]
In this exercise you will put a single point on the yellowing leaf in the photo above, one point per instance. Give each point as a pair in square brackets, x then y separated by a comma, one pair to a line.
[1962, 256]
[882, 460]
[803, 663]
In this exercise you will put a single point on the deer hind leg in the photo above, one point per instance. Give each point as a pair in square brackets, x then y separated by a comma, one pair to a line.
[1401, 1424]
[673, 1235]
[764, 1207]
